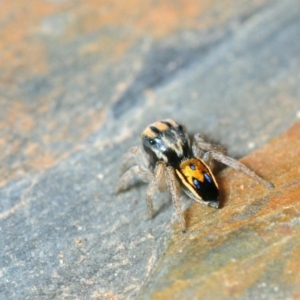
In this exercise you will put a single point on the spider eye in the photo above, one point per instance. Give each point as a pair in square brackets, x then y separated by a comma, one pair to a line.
[152, 142]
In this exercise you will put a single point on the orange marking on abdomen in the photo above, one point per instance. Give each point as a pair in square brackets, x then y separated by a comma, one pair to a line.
[193, 168]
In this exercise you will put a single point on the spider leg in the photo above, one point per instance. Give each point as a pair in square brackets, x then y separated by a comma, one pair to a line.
[218, 153]
[235, 164]
[137, 155]
[175, 193]
[154, 186]
[202, 150]
[142, 172]
[201, 147]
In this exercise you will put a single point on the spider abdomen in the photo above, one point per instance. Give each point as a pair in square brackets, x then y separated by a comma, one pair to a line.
[198, 181]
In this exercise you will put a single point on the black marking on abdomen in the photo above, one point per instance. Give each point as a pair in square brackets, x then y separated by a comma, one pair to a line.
[207, 189]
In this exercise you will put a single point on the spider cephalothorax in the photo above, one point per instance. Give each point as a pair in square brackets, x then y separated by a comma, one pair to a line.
[166, 141]
[168, 158]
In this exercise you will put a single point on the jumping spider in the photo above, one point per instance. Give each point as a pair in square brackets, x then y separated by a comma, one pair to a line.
[168, 159]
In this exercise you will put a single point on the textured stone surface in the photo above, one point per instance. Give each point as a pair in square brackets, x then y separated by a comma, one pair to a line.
[250, 248]
[79, 80]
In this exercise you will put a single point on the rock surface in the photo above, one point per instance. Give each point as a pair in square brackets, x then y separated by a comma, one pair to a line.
[80, 80]
[250, 248]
